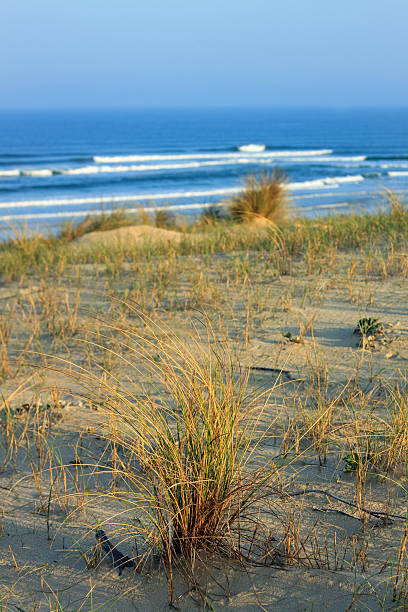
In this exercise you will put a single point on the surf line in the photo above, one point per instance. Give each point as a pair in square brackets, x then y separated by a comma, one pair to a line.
[114, 199]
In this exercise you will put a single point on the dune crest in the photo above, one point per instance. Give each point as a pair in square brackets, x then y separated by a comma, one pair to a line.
[131, 233]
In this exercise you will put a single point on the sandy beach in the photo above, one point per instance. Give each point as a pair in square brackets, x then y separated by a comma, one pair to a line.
[334, 416]
[203, 306]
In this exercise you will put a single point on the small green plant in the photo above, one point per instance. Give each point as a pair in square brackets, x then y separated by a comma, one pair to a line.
[354, 460]
[368, 326]
[296, 339]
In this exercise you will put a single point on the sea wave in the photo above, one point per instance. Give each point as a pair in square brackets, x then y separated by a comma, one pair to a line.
[394, 165]
[40, 172]
[372, 175]
[9, 172]
[107, 169]
[83, 213]
[252, 148]
[331, 158]
[324, 183]
[150, 167]
[321, 183]
[187, 166]
[114, 159]
[118, 199]
[148, 209]
[398, 173]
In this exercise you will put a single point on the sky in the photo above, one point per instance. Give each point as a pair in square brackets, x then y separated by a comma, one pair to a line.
[202, 53]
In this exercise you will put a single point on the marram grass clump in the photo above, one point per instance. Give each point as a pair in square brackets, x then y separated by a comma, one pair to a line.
[189, 437]
[263, 198]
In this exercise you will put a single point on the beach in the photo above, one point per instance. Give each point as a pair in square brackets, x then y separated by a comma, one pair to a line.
[331, 411]
[203, 306]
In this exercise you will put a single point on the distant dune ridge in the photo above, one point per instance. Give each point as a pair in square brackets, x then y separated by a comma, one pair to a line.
[132, 233]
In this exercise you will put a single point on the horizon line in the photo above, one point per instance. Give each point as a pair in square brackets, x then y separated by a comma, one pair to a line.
[209, 107]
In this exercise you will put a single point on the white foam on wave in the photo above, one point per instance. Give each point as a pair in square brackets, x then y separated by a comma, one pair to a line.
[252, 148]
[108, 169]
[327, 194]
[398, 173]
[322, 183]
[115, 199]
[328, 206]
[148, 167]
[148, 209]
[83, 213]
[402, 165]
[116, 159]
[40, 172]
[325, 183]
[331, 158]
[16, 172]
[197, 164]
[9, 172]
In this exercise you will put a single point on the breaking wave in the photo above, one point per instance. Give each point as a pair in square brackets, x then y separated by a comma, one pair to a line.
[252, 148]
[9, 172]
[184, 166]
[39, 172]
[115, 169]
[325, 183]
[122, 198]
[115, 159]
[322, 183]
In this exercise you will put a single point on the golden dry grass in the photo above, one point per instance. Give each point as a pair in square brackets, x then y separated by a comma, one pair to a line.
[264, 198]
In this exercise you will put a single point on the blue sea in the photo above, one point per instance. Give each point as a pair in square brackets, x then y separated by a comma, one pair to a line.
[60, 165]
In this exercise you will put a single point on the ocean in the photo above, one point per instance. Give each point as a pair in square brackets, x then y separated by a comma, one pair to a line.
[61, 165]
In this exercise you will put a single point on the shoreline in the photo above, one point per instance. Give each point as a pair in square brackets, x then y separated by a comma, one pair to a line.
[378, 205]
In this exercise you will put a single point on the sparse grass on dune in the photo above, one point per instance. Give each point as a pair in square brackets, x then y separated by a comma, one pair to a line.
[94, 223]
[379, 235]
[172, 451]
[177, 459]
[114, 219]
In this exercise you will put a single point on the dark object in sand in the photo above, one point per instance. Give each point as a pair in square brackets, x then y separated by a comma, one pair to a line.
[118, 560]
[283, 373]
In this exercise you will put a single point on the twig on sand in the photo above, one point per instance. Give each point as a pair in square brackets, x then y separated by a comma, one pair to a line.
[119, 561]
[345, 501]
[316, 509]
[277, 371]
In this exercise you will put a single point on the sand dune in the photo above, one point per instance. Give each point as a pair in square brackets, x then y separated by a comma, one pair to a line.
[132, 233]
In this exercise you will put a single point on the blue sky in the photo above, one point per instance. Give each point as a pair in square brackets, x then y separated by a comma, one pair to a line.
[198, 53]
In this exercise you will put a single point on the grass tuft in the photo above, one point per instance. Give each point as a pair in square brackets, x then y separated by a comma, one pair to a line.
[194, 434]
[264, 197]
[164, 219]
